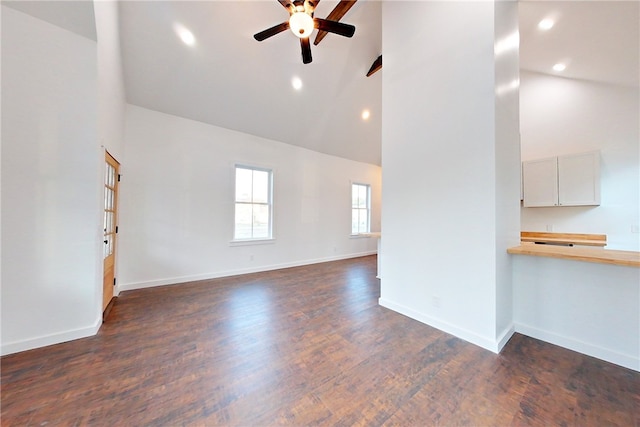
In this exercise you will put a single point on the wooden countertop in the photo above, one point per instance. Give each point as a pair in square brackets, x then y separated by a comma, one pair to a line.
[602, 256]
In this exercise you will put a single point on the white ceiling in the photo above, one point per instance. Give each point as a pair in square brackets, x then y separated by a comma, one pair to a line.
[230, 80]
[76, 16]
[597, 40]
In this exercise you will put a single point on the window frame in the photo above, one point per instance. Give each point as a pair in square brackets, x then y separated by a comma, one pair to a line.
[270, 235]
[368, 208]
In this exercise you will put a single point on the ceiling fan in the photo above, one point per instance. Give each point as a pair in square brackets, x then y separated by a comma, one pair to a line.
[302, 23]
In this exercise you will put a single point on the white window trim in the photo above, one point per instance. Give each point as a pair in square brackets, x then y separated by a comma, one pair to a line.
[257, 240]
[363, 234]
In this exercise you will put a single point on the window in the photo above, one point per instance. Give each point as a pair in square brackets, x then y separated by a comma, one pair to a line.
[252, 203]
[360, 208]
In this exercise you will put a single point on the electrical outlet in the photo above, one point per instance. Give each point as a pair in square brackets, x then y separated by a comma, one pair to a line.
[435, 301]
[549, 227]
[635, 228]
[251, 257]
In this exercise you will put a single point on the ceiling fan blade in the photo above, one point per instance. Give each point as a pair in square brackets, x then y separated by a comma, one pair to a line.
[377, 65]
[287, 4]
[269, 32]
[306, 50]
[335, 27]
[336, 14]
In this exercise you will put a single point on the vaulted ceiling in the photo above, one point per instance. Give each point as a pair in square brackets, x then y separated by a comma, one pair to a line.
[597, 40]
[228, 79]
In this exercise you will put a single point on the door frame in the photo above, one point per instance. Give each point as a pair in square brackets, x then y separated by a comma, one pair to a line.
[110, 187]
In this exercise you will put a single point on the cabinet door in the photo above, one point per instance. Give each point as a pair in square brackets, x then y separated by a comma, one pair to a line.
[540, 179]
[579, 179]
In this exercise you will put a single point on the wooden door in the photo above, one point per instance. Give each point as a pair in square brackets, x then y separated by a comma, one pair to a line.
[112, 168]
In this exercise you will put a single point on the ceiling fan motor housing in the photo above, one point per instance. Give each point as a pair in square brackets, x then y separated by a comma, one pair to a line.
[306, 6]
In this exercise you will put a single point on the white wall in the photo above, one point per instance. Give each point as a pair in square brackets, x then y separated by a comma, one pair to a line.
[507, 149]
[451, 168]
[563, 116]
[50, 207]
[176, 210]
[1, 9]
[111, 95]
[587, 307]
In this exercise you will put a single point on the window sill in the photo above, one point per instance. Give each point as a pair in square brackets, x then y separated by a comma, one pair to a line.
[360, 236]
[249, 242]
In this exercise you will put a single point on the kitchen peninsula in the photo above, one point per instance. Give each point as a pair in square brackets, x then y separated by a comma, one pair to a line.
[582, 298]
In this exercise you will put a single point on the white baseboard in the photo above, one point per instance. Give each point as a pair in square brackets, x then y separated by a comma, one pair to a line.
[505, 336]
[227, 273]
[609, 355]
[473, 338]
[46, 340]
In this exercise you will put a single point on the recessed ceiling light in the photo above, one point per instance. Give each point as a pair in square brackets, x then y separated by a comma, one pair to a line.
[546, 24]
[185, 35]
[559, 67]
[296, 83]
[366, 114]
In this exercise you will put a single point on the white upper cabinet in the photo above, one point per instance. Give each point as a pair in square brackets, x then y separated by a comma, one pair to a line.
[572, 180]
[579, 179]
[540, 182]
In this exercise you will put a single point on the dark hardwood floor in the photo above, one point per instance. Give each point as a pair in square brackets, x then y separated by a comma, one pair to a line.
[302, 346]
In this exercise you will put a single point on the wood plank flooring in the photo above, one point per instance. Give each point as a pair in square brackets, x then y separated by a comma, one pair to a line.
[302, 346]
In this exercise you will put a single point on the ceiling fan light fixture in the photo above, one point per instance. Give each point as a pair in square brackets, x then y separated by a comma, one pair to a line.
[301, 24]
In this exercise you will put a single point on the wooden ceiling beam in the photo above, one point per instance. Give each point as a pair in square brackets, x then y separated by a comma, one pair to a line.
[377, 65]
